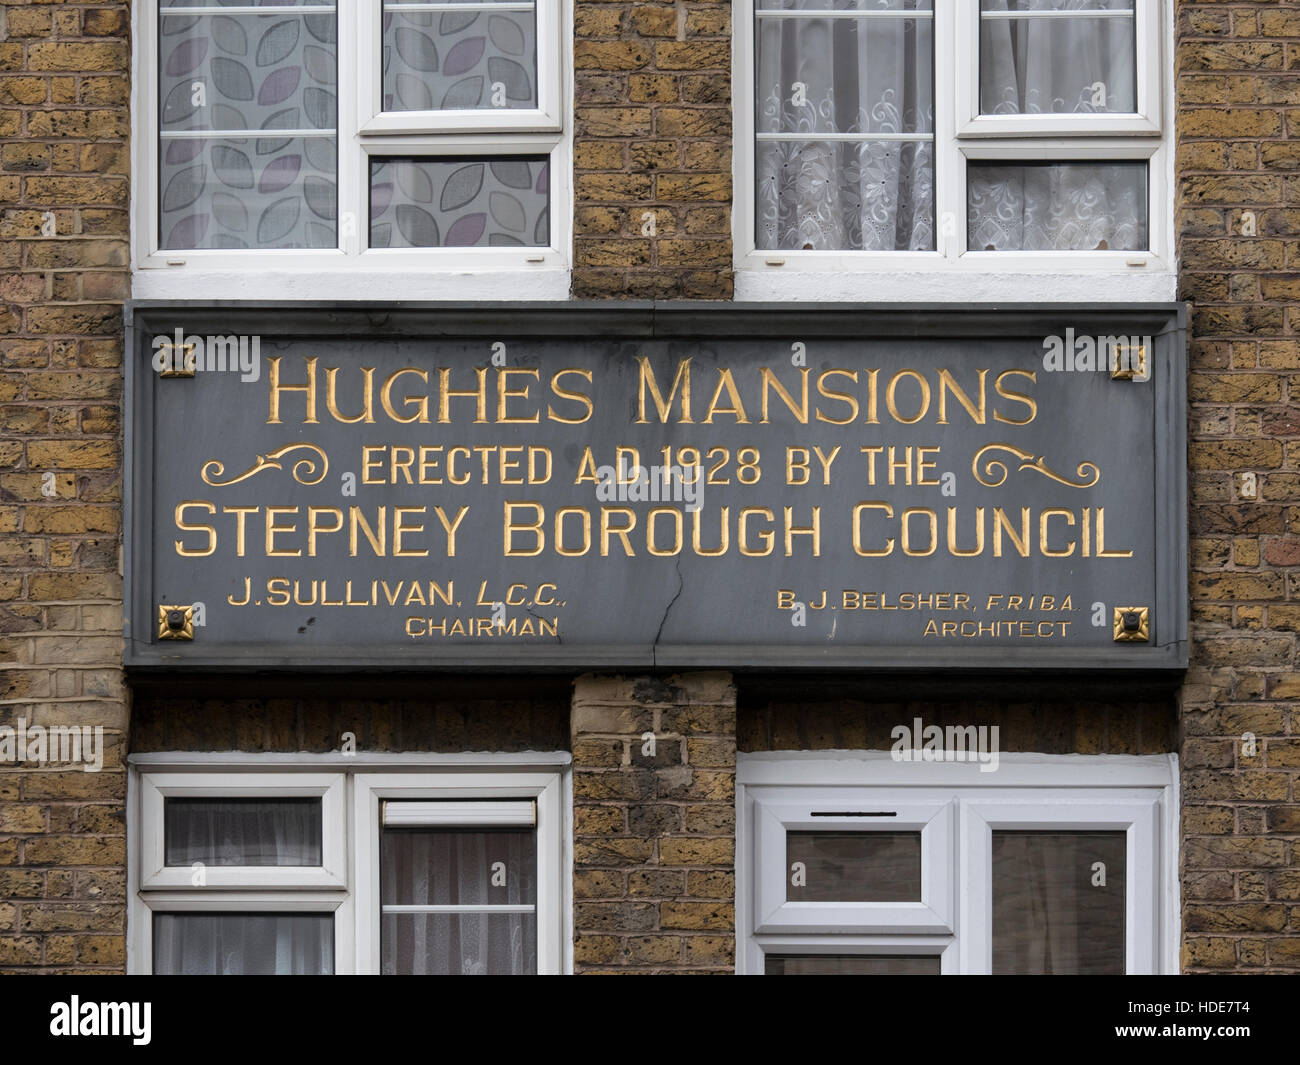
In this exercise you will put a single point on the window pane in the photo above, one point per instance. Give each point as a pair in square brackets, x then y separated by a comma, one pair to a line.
[492, 873]
[242, 831]
[249, 193]
[853, 866]
[265, 87]
[844, 121]
[901, 6]
[1041, 63]
[243, 944]
[458, 60]
[844, 75]
[1057, 207]
[861, 196]
[461, 944]
[460, 203]
[1055, 909]
[851, 965]
[458, 866]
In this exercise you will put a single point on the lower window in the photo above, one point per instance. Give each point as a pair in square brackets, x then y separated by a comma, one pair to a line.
[860, 865]
[271, 869]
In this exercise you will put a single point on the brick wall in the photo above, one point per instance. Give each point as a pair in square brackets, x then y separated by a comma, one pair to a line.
[654, 862]
[1238, 100]
[268, 714]
[63, 254]
[1096, 726]
[652, 150]
[654, 833]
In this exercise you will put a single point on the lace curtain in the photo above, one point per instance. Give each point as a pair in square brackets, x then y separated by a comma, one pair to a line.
[852, 80]
[851, 77]
[1061, 65]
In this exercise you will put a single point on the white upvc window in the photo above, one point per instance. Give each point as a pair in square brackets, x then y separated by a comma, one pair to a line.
[852, 863]
[312, 145]
[319, 865]
[950, 148]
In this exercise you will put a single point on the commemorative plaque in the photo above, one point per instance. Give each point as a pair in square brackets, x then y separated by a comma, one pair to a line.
[572, 486]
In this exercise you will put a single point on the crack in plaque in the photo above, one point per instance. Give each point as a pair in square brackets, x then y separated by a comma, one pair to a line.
[530, 610]
[668, 609]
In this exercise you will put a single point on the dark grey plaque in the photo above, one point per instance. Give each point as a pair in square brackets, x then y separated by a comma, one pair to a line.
[1063, 487]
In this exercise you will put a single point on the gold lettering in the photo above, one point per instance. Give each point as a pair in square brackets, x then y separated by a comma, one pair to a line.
[446, 394]
[179, 517]
[800, 409]
[1018, 397]
[577, 397]
[448, 527]
[953, 549]
[314, 527]
[399, 530]
[651, 539]
[377, 539]
[560, 515]
[1043, 518]
[607, 530]
[892, 405]
[857, 529]
[932, 521]
[765, 536]
[814, 530]
[646, 379]
[272, 529]
[947, 384]
[843, 397]
[421, 414]
[1000, 522]
[274, 388]
[512, 528]
[728, 383]
[367, 396]
[505, 393]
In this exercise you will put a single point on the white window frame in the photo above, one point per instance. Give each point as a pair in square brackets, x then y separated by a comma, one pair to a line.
[156, 788]
[922, 946]
[546, 116]
[778, 811]
[353, 270]
[371, 789]
[352, 786]
[1132, 812]
[145, 905]
[951, 273]
[1134, 793]
[1145, 120]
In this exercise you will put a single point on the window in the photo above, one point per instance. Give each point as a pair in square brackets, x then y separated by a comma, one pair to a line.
[855, 864]
[993, 135]
[458, 881]
[313, 135]
[274, 867]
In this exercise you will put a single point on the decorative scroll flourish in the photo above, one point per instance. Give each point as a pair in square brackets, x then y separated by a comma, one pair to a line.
[303, 469]
[995, 470]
